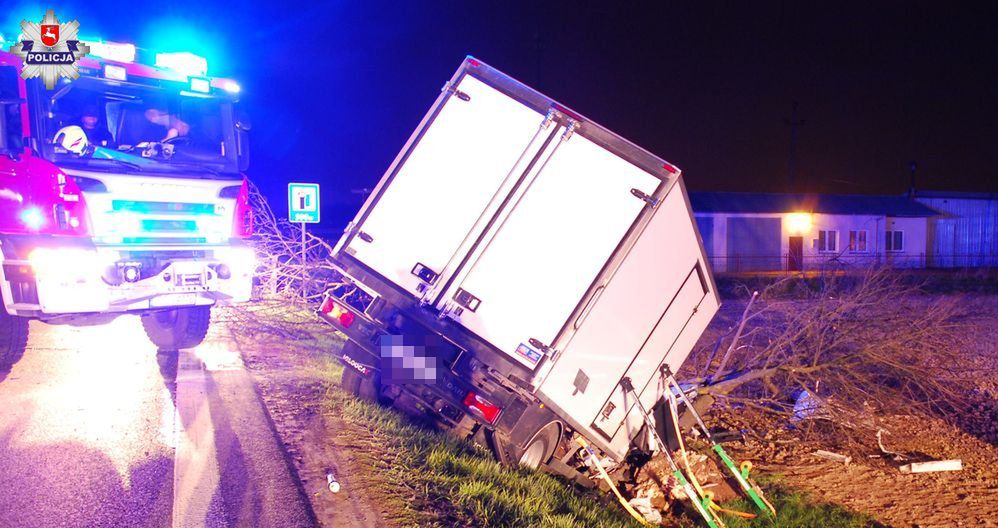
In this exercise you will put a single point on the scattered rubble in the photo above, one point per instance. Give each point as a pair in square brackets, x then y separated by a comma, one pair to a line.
[933, 466]
[835, 457]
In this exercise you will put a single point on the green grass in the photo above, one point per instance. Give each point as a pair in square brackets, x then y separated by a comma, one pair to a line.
[447, 482]
[795, 510]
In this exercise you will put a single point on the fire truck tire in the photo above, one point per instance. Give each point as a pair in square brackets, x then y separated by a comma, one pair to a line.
[13, 338]
[178, 328]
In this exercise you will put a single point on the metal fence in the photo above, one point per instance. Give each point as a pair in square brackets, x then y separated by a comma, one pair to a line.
[842, 262]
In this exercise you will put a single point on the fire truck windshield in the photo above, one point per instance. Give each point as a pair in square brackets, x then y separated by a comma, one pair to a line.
[138, 128]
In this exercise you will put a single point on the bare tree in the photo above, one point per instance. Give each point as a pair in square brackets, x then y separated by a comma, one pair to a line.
[850, 348]
[284, 269]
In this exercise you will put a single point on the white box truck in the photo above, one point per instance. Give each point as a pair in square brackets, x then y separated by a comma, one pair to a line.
[515, 263]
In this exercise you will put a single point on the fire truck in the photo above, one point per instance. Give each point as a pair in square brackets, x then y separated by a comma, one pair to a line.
[122, 191]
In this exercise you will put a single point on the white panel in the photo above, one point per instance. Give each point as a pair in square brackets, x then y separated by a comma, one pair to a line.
[446, 183]
[645, 365]
[628, 310]
[546, 254]
[680, 349]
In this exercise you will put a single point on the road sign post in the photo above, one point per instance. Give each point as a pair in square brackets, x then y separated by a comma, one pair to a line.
[303, 208]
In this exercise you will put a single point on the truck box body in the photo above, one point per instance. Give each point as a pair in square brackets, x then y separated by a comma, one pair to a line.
[563, 256]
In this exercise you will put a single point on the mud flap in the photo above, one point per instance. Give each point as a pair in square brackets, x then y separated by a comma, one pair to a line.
[664, 424]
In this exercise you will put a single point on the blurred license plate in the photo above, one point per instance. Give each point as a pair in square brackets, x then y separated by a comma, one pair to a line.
[174, 299]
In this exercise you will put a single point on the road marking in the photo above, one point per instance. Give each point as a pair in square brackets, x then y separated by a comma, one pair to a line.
[196, 471]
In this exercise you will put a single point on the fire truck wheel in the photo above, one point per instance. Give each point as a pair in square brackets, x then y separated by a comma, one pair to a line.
[13, 338]
[540, 448]
[177, 328]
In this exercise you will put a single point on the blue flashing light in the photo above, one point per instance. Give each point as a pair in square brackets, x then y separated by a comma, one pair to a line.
[32, 218]
[116, 51]
[183, 62]
[231, 86]
[199, 84]
[117, 73]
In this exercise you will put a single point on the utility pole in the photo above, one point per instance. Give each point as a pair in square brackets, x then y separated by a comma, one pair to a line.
[912, 167]
[794, 122]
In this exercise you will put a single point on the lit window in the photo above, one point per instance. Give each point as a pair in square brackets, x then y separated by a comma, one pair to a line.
[827, 241]
[894, 241]
[857, 241]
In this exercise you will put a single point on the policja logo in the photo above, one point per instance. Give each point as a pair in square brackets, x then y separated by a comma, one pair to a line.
[50, 49]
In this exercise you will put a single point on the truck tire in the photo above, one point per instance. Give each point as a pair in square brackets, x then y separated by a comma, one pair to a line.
[177, 328]
[541, 446]
[364, 388]
[13, 338]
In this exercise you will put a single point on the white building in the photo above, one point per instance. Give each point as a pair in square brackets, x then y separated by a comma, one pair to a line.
[749, 232]
[965, 234]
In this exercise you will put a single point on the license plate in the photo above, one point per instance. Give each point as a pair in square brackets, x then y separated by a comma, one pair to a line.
[175, 299]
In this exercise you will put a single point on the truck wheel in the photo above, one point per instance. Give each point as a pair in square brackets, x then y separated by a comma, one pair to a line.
[177, 328]
[367, 389]
[364, 388]
[541, 447]
[13, 338]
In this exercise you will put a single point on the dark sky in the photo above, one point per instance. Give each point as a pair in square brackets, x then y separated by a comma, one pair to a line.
[335, 89]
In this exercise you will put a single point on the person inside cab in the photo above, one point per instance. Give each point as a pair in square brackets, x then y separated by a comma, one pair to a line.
[97, 133]
[172, 126]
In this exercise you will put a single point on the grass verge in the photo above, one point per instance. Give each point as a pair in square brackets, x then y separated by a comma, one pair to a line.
[796, 510]
[431, 479]
[446, 482]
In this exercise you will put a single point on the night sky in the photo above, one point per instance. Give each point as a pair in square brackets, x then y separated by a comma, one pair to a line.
[334, 90]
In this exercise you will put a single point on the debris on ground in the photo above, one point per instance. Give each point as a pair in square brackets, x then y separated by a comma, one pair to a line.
[835, 457]
[933, 466]
[333, 485]
[643, 506]
[654, 482]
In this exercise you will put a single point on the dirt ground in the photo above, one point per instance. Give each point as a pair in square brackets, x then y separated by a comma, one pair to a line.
[318, 443]
[872, 482]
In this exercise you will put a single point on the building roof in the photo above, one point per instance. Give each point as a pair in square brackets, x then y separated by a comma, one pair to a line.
[840, 204]
[957, 195]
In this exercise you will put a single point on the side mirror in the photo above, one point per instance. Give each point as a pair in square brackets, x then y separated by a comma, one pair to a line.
[242, 120]
[242, 149]
[73, 139]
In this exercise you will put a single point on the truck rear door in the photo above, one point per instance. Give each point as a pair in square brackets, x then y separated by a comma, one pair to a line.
[448, 180]
[534, 266]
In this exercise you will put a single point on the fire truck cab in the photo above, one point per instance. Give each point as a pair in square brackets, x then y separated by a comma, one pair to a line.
[122, 191]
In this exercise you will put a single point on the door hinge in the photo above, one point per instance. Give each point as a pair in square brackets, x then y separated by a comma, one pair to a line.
[536, 343]
[549, 118]
[569, 130]
[648, 199]
[450, 88]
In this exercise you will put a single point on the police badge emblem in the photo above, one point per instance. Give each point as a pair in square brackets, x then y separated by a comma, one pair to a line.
[50, 49]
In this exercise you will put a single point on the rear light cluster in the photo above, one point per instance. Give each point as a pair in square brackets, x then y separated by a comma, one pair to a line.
[482, 407]
[242, 220]
[337, 311]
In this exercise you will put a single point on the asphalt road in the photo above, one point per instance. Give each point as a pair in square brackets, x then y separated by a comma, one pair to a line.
[98, 429]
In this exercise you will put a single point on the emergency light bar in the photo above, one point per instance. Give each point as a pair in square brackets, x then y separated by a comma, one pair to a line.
[230, 86]
[199, 84]
[116, 51]
[117, 73]
[183, 62]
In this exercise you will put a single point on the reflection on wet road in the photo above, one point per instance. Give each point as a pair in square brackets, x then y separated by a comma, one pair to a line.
[98, 429]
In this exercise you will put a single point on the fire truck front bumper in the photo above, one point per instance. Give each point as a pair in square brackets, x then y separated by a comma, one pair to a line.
[53, 280]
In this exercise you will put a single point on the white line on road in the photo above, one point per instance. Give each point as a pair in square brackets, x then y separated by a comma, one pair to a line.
[196, 471]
